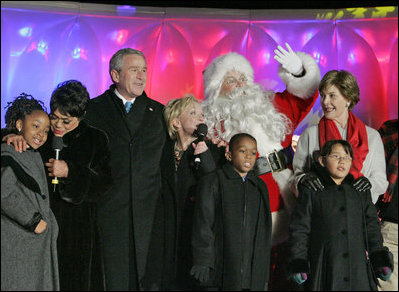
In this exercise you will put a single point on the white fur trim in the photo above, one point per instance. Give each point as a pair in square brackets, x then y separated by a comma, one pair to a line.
[307, 85]
[280, 226]
[282, 179]
[215, 72]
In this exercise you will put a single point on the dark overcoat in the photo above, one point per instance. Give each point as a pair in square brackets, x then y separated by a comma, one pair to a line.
[74, 203]
[28, 260]
[330, 232]
[227, 210]
[125, 216]
[170, 257]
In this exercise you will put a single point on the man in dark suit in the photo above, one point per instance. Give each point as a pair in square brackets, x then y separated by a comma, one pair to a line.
[136, 135]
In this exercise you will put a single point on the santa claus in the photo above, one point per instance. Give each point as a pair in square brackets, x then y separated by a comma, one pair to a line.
[234, 103]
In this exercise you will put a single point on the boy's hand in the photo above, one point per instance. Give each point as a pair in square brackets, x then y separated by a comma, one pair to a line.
[299, 278]
[384, 273]
[201, 273]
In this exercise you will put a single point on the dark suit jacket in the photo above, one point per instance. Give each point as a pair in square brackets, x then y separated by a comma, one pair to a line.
[136, 142]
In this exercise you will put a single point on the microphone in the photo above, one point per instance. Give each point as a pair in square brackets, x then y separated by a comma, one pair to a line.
[201, 132]
[57, 145]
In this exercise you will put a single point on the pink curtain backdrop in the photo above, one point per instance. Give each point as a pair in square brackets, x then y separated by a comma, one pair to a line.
[44, 43]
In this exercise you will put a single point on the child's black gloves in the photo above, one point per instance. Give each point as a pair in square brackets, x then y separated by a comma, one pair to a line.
[201, 273]
[362, 184]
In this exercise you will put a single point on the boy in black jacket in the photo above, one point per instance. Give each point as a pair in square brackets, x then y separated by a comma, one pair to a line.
[232, 223]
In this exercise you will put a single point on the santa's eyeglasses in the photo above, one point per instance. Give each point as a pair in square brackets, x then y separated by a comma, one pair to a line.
[232, 80]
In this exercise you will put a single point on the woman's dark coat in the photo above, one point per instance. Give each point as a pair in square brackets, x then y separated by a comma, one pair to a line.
[74, 204]
[223, 205]
[329, 234]
[170, 258]
[125, 216]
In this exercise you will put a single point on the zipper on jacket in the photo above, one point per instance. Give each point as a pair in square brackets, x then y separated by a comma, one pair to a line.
[243, 228]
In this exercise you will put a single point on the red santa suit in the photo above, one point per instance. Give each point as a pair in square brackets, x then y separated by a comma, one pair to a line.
[268, 116]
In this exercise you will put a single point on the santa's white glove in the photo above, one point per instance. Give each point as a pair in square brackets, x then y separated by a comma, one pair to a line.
[289, 60]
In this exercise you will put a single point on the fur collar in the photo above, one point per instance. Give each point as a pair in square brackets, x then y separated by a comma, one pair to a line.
[325, 177]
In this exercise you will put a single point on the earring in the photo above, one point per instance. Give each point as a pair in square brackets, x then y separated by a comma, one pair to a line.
[348, 104]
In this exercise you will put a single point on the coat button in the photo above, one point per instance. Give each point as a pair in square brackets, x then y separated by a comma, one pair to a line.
[342, 209]
[345, 254]
[346, 279]
[343, 231]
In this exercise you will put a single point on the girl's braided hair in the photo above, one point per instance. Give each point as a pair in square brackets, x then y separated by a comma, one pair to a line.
[23, 105]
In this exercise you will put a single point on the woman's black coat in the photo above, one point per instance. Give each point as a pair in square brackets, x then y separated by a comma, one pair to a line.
[126, 214]
[74, 204]
[223, 205]
[170, 258]
[330, 232]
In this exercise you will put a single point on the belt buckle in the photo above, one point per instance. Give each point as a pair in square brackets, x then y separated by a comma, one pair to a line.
[271, 163]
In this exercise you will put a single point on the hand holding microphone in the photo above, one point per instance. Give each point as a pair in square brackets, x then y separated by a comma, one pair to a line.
[201, 132]
[57, 144]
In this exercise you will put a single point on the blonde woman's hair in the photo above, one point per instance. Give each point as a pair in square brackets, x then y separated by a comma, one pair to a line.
[174, 108]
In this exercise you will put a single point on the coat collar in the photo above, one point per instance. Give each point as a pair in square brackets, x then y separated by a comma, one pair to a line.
[115, 112]
[325, 177]
[71, 136]
[231, 173]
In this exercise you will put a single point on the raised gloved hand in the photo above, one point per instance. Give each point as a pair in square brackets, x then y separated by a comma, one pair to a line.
[299, 277]
[362, 184]
[289, 60]
[311, 181]
[201, 273]
[384, 273]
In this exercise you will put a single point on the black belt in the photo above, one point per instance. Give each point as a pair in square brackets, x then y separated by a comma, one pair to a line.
[274, 161]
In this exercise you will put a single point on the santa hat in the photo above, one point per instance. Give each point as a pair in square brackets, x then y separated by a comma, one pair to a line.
[215, 72]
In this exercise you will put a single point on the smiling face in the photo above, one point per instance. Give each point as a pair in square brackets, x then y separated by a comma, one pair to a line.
[232, 80]
[34, 128]
[338, 163]
[334, 105]
[62, 124]
[243, 155]
[189, 119]
[131, 80]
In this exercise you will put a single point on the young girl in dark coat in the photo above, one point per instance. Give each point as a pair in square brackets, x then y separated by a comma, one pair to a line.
[28, 227]
[232, 223]
[335, 237]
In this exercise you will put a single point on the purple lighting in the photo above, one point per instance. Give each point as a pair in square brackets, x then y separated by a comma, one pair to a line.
[42, 47]
[25, 31]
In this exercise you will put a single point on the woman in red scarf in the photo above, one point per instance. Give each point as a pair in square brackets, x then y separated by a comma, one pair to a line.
[339, 94]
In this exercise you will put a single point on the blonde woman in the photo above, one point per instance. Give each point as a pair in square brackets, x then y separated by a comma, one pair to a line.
[169, 259]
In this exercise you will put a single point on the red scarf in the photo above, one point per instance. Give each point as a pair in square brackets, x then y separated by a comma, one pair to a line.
[356, 136]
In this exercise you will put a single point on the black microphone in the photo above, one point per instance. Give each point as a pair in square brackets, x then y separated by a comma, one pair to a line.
[201, 132]
[57, 145]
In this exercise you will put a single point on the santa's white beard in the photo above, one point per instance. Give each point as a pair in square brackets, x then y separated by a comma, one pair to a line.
[247, 110]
